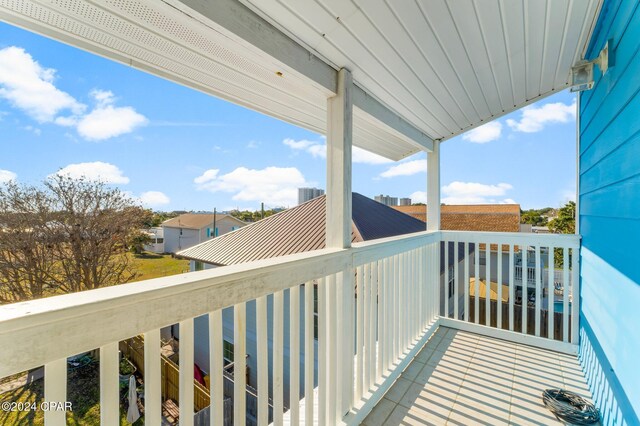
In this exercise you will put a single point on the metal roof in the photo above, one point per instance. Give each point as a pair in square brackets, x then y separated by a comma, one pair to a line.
[422, 70]
[198, 220]
[300, 229]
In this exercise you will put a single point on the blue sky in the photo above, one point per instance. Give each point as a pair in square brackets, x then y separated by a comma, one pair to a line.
[63, 109]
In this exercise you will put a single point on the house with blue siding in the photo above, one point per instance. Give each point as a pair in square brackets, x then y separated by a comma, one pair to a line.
[609, 216]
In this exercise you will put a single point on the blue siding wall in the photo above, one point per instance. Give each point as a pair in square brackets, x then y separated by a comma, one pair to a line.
[609, 191]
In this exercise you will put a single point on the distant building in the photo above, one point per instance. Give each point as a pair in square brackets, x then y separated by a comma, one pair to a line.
[405, 201]
[386, 200]
[156, 240]
[306, 194]
[190, 229]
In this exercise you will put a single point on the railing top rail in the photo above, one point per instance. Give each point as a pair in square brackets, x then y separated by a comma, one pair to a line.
[52, 328]
[518, 238]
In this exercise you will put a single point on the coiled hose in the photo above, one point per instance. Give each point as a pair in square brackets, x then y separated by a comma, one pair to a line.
[570, 407]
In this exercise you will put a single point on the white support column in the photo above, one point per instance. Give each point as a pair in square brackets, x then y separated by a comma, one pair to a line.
[433, 188]
[339, 138]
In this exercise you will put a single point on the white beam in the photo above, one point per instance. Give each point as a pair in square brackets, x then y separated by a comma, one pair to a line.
[365, 102]
[339, 144]
[433, 188]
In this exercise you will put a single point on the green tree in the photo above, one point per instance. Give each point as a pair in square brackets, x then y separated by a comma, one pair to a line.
[565, 223]
[533, 217]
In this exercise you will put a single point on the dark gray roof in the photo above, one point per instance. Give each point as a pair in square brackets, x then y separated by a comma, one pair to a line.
[300, 229]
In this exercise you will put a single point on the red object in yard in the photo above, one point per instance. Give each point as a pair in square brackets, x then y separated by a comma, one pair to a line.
[197, 374]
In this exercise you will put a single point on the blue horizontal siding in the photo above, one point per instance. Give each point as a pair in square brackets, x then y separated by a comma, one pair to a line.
[609, 194]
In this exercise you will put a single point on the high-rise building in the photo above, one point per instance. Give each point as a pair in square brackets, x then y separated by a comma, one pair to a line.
[306, 194]
[405, 201]
[386, 200]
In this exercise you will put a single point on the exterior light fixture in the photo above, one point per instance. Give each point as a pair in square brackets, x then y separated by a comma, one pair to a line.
[582, 72]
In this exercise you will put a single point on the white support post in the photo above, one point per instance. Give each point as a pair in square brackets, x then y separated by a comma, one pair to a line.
[433, 219]
[433, 188]
[339, 138]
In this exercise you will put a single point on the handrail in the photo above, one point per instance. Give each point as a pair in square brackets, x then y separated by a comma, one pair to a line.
[53, 328]
[517, 238]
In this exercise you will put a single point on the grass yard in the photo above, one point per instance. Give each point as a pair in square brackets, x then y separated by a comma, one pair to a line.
[151, 265]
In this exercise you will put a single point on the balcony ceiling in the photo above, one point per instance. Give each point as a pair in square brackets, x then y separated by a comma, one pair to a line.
[423, 70]
[445, 65]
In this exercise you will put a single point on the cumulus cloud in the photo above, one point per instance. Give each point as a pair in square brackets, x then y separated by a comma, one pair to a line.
[7, 176]
[418, 197]
[30, 87]
[407, 168]
[319, 150]
[475, 193]
[533, 119]
[276, 186]
[154, 199]
[97, 170]
[485, 133]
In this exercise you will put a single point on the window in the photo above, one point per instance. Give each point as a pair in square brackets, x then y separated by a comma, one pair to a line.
[227, 352]
[315, 311]
[159, 240]
[483, 258]
[199, 266]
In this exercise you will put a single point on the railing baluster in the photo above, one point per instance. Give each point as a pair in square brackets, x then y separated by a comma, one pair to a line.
[499, 287]
[538, 277]
[512, 287]
[186, 373]
[359, 333]
[278, 358]
[331, 348]
[55, 387]
[373, 309]
[551, 294]
[525, 288]
[565, 294]
[367, 326]
[487, 282]
[446, 279]
[309, 319]
[216, 365]
[456, 281]
[575, 295]
[109, 385]
[346, 327]
[380, 318]
[152, 378]
[263, 359]
[477, 283]
[465, 286]
[216, 362]
[294, 354]
[397, 342]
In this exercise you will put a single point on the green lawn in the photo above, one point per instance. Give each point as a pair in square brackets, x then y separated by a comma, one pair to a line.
[151, 265]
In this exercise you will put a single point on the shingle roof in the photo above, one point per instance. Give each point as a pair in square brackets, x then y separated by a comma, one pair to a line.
[196, 220]
[298, 230]
[473, 217]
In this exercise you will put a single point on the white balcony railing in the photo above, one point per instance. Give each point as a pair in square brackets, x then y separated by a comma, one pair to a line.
[378, 303]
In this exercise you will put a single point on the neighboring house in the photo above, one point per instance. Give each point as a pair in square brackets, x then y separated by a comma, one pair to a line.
[156, 243]
[472, 217]
[296, 230]
[189, 229]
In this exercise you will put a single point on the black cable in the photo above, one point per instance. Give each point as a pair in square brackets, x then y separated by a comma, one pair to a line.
[570, 407]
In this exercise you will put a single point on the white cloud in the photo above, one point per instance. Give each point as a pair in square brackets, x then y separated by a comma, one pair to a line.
[97, 170]
[485, 133]
[533, 119]
[154, 199]
[276, 186]
[7, 176]
[319, 150]
[475, 193]
[106, 121]
[418, 197]
[29, 87]
[407, 168]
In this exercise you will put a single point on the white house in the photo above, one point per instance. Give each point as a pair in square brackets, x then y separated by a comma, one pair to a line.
[190, 229]
[156, 243]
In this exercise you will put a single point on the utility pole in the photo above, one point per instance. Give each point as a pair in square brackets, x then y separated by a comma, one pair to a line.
[214, 223]
[261, 210]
